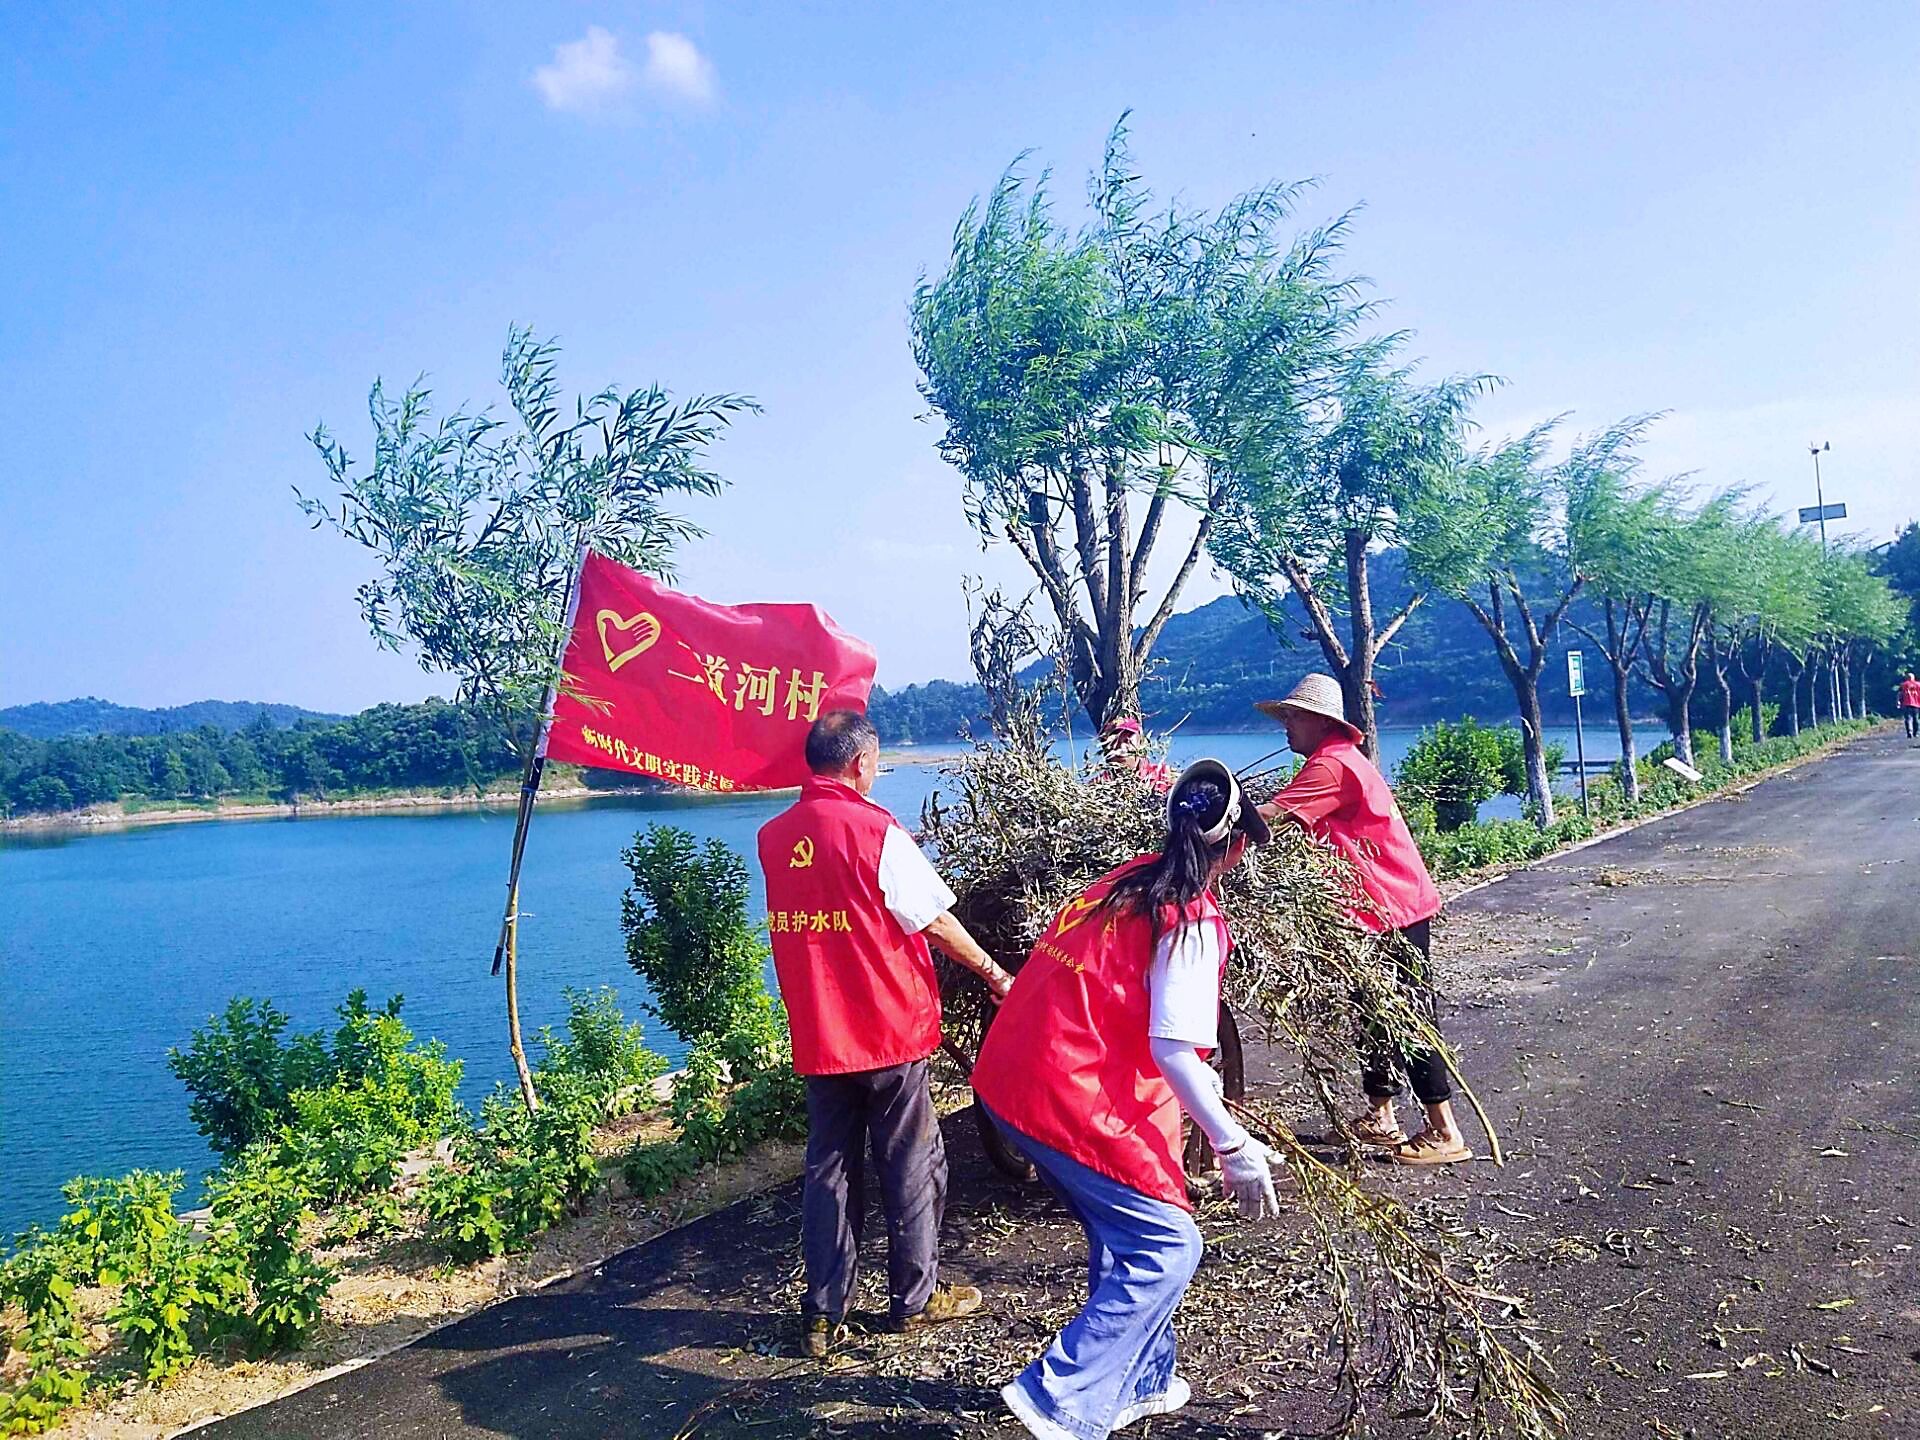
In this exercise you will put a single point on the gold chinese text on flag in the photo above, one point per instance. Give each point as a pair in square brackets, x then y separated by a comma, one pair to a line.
[716, 697]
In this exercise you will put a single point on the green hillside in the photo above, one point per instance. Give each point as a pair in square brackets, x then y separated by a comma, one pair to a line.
[90, 716]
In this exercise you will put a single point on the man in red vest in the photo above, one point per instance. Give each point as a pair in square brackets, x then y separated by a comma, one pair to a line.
[852, 904]
[1341, 799]
[1910, 705]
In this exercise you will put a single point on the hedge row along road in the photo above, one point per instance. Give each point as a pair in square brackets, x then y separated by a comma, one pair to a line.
[1699, 1038]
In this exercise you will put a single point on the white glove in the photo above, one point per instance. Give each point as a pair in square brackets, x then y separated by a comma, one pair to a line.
[1247, 1174]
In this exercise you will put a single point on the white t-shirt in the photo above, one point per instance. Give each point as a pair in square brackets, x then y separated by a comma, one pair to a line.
[911, 887]
[1183, 983]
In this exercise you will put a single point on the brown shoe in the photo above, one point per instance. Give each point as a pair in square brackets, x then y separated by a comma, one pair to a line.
[948, 1302]
[1368, 1131]
[1427, 1148]
[820, 1336]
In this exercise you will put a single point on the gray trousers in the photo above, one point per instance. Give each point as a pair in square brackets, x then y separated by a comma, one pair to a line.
[893, 1108]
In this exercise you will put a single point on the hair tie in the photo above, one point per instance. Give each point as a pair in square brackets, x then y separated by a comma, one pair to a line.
[1194, 803]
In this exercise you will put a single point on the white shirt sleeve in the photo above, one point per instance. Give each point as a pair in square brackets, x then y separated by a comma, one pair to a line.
[911, 887]
[1184, 986]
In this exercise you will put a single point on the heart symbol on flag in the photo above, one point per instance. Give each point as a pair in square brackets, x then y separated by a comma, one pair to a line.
[643, 629]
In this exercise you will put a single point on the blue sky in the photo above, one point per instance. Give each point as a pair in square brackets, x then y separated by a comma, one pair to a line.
[221, 222]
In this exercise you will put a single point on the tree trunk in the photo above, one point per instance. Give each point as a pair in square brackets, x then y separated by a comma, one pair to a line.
[519, 1052]
[1623, 722]
[1793, 699]
[1813, 694]
[1759, 721]
[1679, 722]
[1356, 684]
[1726, 715]
[1526, 690]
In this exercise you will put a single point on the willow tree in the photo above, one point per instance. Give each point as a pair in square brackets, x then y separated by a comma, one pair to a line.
[1372, 462]
[1621, 569]
[1520, 555]
[1093, 384]
[1783, 616]
[1861, 614]
[1699, 577]
[476, 520]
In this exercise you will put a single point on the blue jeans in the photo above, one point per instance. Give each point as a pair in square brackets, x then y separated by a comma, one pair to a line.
[1141, 1253]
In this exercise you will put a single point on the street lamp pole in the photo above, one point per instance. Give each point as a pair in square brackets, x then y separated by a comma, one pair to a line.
[1819, 496]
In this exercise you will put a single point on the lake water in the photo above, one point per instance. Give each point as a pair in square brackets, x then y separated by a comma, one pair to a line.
[115, 946]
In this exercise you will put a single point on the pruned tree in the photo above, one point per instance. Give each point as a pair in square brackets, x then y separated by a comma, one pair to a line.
[1697, 575]
[1091, 384]
[1621, 572]
[1782, 619]
[1373, 462]
[1520, 558]
[476, 521]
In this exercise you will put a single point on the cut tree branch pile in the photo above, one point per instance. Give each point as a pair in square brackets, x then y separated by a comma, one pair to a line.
[1017, 833]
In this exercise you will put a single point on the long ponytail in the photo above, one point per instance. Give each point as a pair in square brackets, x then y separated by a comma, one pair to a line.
[1181, 872]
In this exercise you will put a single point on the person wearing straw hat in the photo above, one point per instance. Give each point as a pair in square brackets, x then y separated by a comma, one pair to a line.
[1086, 1069]
[1340, 798]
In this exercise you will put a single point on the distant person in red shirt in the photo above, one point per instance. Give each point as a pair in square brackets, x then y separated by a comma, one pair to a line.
[1123, 744]
[1910, 705]
[1340, 798]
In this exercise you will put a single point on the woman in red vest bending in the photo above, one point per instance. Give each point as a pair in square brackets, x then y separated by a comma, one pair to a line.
[1086, 1068]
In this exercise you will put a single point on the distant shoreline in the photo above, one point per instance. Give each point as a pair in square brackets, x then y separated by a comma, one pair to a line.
[100, 818]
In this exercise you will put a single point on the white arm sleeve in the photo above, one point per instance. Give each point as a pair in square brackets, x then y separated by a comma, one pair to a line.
[1183, 982]
[911, 887]
[1193, 1083]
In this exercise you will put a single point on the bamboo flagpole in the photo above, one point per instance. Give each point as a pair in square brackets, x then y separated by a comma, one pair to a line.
[506, 949]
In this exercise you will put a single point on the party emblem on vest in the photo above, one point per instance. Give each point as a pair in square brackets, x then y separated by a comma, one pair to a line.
[802, 857]
[1073, 912]
[642, 630]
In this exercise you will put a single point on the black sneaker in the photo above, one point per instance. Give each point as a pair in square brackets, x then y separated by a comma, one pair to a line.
[948, 1302]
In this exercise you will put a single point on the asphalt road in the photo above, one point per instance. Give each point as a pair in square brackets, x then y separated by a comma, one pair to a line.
[1698, 1040]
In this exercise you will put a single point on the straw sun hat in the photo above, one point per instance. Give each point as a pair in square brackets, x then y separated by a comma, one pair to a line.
[1314, 695]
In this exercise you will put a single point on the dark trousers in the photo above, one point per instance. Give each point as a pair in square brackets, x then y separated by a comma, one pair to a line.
[1912, 717]
[894, 1109]
[1384, 1064]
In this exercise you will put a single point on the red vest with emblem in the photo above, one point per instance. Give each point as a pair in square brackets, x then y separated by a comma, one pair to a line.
[1371, 835]
[1910, 694]
[1067, 1060]
[859, 990]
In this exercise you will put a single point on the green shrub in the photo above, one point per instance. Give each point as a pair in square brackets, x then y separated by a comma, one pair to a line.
[243, 1080]
[601, 1051]
[654, 1167]
[688, 936]
[1513, 760]
[118, 1225]
[516, 1174]
[240, 1077]
[261, 1283]
[337, 1138]
[462, 1220]
[153, 1316]
[1455, 768]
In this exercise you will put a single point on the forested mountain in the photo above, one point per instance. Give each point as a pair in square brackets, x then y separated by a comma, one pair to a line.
[89, 716]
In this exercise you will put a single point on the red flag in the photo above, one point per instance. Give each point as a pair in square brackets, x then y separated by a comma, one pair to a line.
[718, 697]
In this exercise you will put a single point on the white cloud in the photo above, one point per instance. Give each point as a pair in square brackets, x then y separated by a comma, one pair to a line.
[587, 75]
[676, 69]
